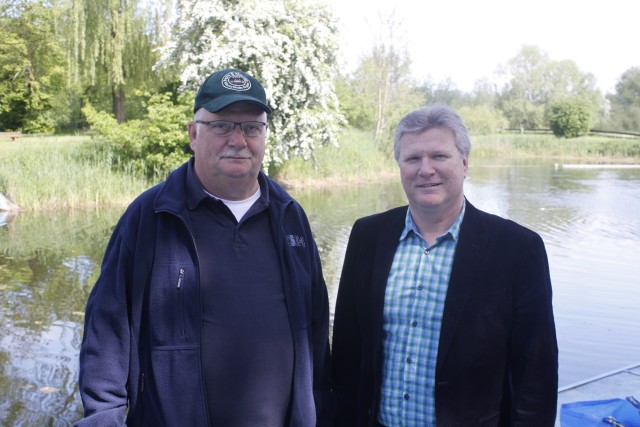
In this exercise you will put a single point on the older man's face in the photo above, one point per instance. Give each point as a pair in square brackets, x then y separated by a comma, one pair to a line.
[231, 160]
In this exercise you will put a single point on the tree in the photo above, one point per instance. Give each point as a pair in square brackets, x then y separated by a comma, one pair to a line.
[31, 70]
[356, 102]
[483, 119]
[570, 117]
[380, 91]
[111, 45]
[445, 92]
[13, 89]
[534, 80]
[625, 102]
[288, 45]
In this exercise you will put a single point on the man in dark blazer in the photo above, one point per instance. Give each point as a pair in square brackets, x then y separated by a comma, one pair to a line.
[444, 314]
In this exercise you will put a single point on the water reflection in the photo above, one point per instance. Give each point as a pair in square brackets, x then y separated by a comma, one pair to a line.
[48, 263]
[587, 217]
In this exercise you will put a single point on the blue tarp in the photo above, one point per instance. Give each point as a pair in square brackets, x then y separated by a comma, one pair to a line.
[601, 413]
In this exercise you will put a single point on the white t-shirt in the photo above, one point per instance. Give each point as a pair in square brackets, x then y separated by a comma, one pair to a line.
[239, 207]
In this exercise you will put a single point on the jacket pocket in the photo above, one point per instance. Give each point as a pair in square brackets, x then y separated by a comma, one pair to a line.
[179, 287]
[173, 297]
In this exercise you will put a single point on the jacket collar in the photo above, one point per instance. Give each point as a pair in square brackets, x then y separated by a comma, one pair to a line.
[183, 190]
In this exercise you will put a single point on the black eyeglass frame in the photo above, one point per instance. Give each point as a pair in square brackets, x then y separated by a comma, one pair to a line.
[210, 124]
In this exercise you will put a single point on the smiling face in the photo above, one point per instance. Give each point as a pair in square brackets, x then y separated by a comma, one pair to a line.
[432, 171]
[228, 166]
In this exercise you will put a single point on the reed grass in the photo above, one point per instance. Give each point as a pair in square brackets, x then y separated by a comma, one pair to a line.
[599, 149]
[357, 159]
[44, 173]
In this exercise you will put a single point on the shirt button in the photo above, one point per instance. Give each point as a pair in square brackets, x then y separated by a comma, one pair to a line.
[408, 360]
[406, 396]
[426, 251]
[414, 323]
[419, 286]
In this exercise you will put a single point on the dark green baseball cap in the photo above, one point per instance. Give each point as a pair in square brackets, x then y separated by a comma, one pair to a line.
[226, 87]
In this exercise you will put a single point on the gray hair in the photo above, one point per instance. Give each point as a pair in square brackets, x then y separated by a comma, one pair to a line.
[435, 116]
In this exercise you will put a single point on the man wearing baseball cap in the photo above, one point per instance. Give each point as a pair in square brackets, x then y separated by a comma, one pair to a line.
[211, 308]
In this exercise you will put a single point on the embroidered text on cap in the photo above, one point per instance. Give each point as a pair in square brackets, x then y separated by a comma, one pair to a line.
[236, 81]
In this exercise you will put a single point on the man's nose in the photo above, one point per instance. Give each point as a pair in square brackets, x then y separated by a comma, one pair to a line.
[426, 167]
[237, 139]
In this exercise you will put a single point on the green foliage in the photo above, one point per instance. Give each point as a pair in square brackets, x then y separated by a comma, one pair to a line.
[13, 90]
[153, 145]
[112, 48]
[625, 103]
[628, 88]
[31, 67]
[535, 80]
[483, 120]
[355, 103]
[444, 92]
[624, 118]
[570, 117]
[380, 91]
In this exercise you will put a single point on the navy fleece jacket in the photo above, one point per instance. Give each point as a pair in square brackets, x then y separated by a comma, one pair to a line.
[140, 355]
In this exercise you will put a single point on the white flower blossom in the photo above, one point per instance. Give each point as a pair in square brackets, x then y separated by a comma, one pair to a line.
[290, 46]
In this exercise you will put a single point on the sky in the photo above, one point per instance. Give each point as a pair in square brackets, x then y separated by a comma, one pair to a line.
[467, 40]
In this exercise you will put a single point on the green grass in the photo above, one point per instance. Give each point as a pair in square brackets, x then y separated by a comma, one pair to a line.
[41, 173]
[357, 159]
[600, 149]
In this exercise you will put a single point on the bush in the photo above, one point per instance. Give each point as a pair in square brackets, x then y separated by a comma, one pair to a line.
[570, 117]
[155, 144]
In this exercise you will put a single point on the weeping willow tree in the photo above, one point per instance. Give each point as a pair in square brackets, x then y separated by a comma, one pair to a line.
[112, 47]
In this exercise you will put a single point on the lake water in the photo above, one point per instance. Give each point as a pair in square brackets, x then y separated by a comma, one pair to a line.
[588, 217]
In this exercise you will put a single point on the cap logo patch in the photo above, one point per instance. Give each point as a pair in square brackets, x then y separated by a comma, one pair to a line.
[236, 81]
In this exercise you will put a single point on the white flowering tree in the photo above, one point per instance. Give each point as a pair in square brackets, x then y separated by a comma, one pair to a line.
[289, 45]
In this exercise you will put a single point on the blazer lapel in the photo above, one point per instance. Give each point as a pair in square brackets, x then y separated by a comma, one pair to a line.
[466, 263]
[384, 251]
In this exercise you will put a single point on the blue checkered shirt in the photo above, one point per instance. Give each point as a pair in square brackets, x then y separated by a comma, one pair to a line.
[413, 306]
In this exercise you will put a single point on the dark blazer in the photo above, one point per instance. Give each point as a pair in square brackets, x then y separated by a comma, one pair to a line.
[497, 361]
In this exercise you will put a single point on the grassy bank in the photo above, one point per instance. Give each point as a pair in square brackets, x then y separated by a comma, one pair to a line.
[40, 173]
[356, 160]
[597, 149]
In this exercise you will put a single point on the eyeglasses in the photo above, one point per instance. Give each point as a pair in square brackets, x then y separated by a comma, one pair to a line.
[225, 127]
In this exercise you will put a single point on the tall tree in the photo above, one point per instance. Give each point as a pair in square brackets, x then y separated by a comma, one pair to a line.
[288, 45]
[380, 91]
[111, 47]
[625, 102]
[534, 80]
[389, 68]
[31, 65]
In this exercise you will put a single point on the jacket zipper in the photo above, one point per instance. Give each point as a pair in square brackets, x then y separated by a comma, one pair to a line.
[180, 293]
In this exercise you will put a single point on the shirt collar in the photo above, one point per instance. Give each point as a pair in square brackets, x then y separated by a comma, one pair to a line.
[196, 193]
[453, 231]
